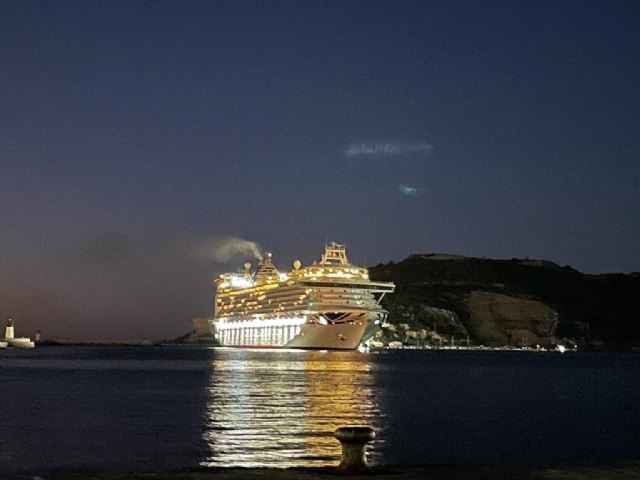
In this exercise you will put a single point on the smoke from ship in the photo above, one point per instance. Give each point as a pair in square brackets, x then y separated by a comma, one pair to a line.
[224, 249]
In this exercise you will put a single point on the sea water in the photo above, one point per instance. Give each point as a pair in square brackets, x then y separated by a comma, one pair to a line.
[71, 409]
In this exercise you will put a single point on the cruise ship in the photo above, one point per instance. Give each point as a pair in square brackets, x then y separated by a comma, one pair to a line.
[330, 304]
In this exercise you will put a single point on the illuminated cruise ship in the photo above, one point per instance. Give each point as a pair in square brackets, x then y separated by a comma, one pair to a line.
[330, 304]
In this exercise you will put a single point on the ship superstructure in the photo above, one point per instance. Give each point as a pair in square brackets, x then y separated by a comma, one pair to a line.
[330, 304]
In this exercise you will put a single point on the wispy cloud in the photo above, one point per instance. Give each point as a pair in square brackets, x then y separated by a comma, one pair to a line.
[386, 149]
[408, 190]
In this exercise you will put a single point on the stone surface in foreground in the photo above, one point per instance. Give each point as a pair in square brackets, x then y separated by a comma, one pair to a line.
[608, 472]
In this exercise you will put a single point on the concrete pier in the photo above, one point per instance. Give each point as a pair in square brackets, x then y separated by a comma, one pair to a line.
[434, 472]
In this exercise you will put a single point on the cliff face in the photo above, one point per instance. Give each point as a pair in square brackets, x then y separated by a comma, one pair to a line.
[497, 319]
[511, 302]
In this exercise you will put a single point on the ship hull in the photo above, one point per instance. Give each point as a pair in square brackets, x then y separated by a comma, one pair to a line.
[313, 336]
[345, 336]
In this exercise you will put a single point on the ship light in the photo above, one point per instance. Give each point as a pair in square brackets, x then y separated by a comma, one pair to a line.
[240, 282]
[256, 323]
[339, 275]
[283, 277]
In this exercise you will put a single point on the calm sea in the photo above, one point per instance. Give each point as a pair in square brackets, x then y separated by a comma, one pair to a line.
[120, 409]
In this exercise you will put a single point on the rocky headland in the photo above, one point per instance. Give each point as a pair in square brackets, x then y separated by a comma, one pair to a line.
[450, 299]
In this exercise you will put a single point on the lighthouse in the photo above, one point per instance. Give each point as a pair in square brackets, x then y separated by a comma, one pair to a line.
[15, 342]
[8, 332]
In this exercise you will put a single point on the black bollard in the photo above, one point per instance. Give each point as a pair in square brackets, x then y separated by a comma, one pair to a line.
[353, 440]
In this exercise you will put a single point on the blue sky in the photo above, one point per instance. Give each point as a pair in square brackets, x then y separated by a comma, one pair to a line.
[130, 132]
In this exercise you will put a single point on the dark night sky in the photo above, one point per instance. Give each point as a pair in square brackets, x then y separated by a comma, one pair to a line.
[134, 133]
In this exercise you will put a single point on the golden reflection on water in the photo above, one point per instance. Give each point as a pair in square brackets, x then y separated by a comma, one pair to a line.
[280, 408]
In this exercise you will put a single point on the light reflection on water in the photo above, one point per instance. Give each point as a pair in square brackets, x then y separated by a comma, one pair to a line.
[168, 408]
[280, 408]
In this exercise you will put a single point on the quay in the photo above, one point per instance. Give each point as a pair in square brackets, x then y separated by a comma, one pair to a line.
[431, 472]
[353, 465]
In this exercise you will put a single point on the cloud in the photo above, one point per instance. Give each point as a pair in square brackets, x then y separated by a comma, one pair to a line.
[386, 149]
[408, 190]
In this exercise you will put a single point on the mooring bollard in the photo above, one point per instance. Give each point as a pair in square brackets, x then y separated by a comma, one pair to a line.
[353, 440]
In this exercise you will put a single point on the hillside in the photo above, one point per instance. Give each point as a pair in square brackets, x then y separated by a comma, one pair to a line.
[510, 302]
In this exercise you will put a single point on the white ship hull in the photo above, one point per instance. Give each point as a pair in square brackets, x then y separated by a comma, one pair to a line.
[337, 336]
[330, 337]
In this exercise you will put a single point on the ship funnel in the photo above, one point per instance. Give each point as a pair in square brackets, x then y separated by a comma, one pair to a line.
[266, 272]
[8, 332]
